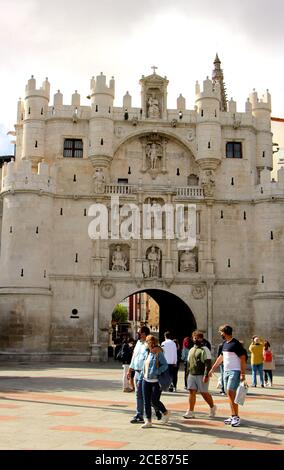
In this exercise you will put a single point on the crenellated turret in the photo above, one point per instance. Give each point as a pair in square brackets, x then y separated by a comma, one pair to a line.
[35, 108]
[101, 121]
[208, 128]
[261, 110]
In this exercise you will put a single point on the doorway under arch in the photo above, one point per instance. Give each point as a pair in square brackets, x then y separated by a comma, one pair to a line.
[174, 314]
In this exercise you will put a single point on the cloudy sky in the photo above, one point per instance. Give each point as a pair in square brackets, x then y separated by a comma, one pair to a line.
[69, 41]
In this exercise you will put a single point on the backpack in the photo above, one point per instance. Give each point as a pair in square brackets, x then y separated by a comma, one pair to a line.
[267, 355]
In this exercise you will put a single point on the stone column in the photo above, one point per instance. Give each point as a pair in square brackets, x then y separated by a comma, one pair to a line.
[95, 352]
[210, 311]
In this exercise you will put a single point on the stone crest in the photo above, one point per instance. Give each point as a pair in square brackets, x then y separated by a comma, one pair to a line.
[198, 291]
[107, 289]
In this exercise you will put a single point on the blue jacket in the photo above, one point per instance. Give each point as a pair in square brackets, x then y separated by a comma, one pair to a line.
[153, 371]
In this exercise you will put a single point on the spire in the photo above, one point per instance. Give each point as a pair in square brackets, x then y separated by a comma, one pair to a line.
[217, 76]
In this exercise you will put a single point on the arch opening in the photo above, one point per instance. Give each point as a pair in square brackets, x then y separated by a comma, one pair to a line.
[160, 310]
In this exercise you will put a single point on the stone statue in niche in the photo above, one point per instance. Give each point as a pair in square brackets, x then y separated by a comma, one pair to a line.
[153, 107]
[154, 155]
[99, 181]
[208, 183]
[119, 260]
[187, 262]
[151, 266]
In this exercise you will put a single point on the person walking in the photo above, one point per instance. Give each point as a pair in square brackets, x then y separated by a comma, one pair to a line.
[199, 364]
[176, 369]
[233, 358]
[256, 359]
[154, 364]
[170, 352]
[136, 365]
[268, 364]
[125, 355]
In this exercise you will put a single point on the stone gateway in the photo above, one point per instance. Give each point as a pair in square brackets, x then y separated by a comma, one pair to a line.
[72, 156]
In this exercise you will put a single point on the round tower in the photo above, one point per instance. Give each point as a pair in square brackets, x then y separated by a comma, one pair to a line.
[35, 107]
[268, 297]
[26, 240]
[101, 125]
[261, 110]
[208, 127]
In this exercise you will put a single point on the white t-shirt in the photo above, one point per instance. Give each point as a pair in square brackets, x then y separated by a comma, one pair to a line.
[170, 351]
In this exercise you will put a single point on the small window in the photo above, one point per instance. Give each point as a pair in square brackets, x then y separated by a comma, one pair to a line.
[73, 148]
[122, 181]
[233, 150]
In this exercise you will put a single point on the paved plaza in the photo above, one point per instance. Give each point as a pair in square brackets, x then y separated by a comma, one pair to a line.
[82, 407]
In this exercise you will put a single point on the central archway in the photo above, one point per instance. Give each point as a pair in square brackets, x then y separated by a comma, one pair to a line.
[174, 314]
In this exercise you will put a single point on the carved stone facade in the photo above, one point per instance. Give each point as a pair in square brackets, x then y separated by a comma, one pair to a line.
[153, 154]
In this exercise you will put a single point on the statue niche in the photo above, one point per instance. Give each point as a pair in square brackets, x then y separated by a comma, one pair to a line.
[187, 261]
[152, 263]
[119, 258]
[153, 110]
[154, 155]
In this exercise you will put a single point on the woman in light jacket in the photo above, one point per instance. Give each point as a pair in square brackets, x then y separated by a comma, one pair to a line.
[154, 364]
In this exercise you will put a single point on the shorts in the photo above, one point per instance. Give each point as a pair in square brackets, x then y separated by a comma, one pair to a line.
[195, 382]
[231, 379]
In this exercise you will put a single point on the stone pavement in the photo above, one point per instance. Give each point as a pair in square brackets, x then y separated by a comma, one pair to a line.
[82, 406]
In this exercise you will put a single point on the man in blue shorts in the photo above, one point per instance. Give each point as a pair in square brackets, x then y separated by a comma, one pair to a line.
[234, 360]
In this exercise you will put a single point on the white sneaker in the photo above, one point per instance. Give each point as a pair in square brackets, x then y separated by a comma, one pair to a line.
[212, 412]
[189, 414]
[228, 420]
[165, 418]
[148, 424]
[235, 421]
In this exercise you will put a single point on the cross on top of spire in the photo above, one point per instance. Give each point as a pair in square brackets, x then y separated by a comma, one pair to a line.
[154, 69]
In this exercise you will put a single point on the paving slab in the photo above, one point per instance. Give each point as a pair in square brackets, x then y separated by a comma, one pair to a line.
[51, 406]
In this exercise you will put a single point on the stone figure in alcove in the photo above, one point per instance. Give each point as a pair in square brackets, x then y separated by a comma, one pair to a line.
[154, 155]
[153, 109]
[151, 266]
[187, 261]
[119, 260]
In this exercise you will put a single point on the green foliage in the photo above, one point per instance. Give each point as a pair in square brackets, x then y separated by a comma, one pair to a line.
[120, 314]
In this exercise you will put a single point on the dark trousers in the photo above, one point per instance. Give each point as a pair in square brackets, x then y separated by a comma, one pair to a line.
[185, 374]
[151, 394]
[174, 374]
[268, 376]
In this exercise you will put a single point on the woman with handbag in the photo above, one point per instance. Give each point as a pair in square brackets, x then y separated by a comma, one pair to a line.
[154, 365]
[268, 364]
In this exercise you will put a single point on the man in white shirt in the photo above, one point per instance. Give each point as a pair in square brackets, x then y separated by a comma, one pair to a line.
[170, 352]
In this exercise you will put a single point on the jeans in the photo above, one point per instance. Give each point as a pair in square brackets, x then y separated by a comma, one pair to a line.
[139, 395]
[151, 395]
[268, 376]
[257, 368]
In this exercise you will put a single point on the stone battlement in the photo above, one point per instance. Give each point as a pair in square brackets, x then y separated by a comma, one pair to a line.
[20, 176]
